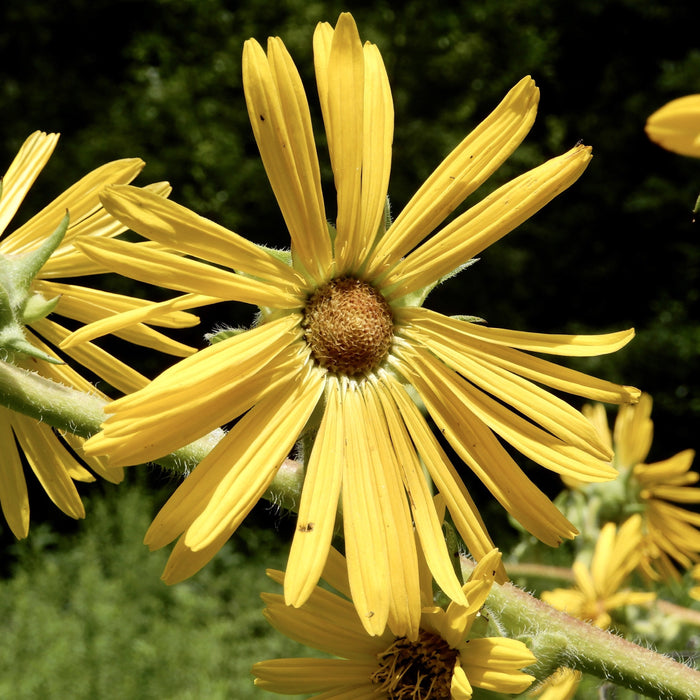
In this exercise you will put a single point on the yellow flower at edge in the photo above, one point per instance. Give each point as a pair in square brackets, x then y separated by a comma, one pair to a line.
[439, 662]
[669, 531]
[54, 465]
[341, 337]
[676, 126]
[598, 592]
[598, 586]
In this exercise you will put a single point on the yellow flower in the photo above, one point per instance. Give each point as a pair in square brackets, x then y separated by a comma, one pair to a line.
[695, 590]
[669, 531]
[439, 662]
[676, 126]
[54, 465]
[561, 685]
[343, 348]
[598, 587]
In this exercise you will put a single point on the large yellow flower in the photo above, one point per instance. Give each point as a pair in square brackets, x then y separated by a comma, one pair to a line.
[676, 126]
[48, 456]
[342, 346]
[670, 532]
[440, 661]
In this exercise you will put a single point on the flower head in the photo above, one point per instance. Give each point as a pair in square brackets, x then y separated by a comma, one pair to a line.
[343, 350]
[670, 532]
[32, 257]
[676, 126]
[598, 586]
[439, 661]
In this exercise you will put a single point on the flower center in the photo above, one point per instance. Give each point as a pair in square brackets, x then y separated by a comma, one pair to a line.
[419, 670]
[348, 326]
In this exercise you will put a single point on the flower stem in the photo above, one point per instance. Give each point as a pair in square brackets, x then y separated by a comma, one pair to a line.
[557, 639]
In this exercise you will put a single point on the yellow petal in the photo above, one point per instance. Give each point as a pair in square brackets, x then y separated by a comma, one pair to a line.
[485, 223]
[344, 120]
[460, 504]
[428, 525]
[235, 476]
[171, 271]
[477, 446]
[382, 579]
[162, 220]
[676, 126]
[319, 504]
[465, 169]
[13, 488]
[279, 115]
[20, 176]
[190, 399]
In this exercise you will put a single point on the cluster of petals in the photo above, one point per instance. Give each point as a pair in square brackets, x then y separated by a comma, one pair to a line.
[54, 465]
[479, 385]
[671, 533]
[329, 623]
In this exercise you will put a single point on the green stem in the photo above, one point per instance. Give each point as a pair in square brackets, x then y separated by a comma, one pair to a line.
[77, 412]
[557, 639]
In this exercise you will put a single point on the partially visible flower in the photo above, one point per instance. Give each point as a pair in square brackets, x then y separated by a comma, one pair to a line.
[440, 661]
[670, 532]
[676, 126]
[598, 587]
[597, 593]
[32, 340]
[695, 590]
[343, 349]
[561, 685]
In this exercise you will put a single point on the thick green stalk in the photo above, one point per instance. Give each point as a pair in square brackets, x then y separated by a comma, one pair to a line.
[557, 639]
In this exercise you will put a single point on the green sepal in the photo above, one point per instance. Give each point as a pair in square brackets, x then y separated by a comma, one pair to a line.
[22, 270]
[418, 297]
[223, 334]
[38, 307]
[18, 304]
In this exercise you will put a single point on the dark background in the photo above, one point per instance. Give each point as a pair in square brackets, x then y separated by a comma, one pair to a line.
[161, 79]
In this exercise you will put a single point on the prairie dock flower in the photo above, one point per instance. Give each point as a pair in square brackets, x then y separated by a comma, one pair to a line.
[341, 338]
[440, 662]
[32, 257]
[676, 126]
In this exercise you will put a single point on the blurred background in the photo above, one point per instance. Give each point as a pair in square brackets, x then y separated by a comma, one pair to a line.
[161, 80]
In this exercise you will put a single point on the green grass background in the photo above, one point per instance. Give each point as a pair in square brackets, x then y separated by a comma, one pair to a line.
[84, 615]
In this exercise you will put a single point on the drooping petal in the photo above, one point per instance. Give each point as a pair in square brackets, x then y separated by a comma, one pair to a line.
[319, 503]
[460, 504]
[427, 524]
[382, 581]
[494, 663]
[479, 448]
[464, 169]
[14, 498]
[485, 223]
[228, 482]
[190, 398]
[291, 676]
[51, 463]
[279, 115]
